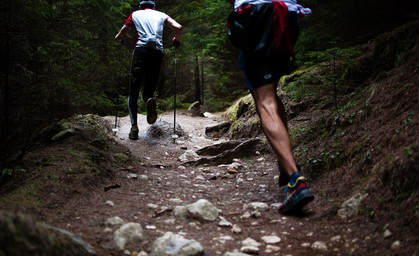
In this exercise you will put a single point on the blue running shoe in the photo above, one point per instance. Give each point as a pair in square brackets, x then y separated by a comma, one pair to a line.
[298, 195]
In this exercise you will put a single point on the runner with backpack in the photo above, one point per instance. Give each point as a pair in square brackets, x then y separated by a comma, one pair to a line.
[265, 32]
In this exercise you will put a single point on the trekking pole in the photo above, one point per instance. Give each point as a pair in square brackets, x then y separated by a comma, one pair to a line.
[174, 98]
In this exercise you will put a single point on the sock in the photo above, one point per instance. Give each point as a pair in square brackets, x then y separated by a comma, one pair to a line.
[294, 177]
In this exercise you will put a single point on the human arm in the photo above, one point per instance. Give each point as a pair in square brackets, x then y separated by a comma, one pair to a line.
[122, 33]
[171, 23]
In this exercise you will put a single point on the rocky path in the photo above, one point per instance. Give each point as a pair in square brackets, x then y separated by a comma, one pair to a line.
[224, 209]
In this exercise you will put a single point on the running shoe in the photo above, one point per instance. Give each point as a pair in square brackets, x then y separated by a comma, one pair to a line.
[297, 196]
[133, 133]
[151, 111]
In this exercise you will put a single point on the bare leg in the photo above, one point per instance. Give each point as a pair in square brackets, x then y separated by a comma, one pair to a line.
[272, 116]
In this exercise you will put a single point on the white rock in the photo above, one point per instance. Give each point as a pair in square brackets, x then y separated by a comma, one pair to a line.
[396, 245]
[387, 233]
[208, 115]
[350, 206]
[143, 177]
[236, 229]
[203, 210]
[256, 214]
[199, 177]
[246, 215]
[226, 238]
[335, 238]
[257, 206]
[319, 246]
[132, 176]
[173, 244]
[180, 211]
[305, 244]
[236, 166]
[170, 221]
[110, 203]
[114, 221]
[271, 239]
[176, 200]
[152, 206]
[189, 155]
[181, 167]
[236, 254]
[224, 223]
[272, 248]
[128, 233]
[250, 242]
[142, 253]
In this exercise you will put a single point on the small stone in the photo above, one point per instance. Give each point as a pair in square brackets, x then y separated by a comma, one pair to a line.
[236, 229]
[170, 221]
[250, 249]
[143, 177]
[132, 176]
[114, 221]
[350, 206]
[203, 210]
[387, 233]
[305, 244]
[319, 246]
[335, 238]
[250, 242]
[224, 223]
[226, 238]
[271, 239]
[272, 248]
[246, 215]
[396, 245]
[235, 254]
[256, 214]
[199, 177]
[110, 203]
[257, 206]
[189, 155]
[152, 206]
[176, 200]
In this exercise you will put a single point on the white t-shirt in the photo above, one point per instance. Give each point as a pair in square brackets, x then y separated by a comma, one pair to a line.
[149, 25]
[291, 4]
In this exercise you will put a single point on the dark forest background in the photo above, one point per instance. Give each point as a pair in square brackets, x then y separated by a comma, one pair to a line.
[58, 57]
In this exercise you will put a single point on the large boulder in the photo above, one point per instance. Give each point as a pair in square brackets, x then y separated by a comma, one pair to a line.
[21, 235]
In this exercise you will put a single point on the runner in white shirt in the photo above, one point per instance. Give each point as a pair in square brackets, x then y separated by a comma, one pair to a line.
[147, 57]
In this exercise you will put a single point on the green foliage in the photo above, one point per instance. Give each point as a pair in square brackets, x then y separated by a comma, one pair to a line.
[330, 78]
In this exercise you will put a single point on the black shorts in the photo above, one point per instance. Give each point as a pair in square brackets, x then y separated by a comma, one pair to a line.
[262, 69]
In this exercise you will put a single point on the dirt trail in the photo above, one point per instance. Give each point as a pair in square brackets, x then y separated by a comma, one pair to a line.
[315, 232]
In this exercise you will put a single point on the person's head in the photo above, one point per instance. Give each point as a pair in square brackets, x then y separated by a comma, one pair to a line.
[147, 5]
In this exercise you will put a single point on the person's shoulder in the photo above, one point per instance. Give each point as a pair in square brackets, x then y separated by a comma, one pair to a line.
[160, 13]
